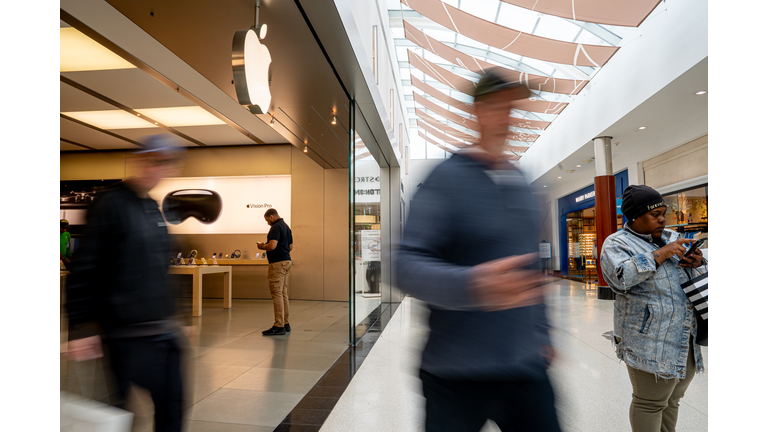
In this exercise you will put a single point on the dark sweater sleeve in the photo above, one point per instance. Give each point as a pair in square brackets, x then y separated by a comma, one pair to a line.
[421, 269]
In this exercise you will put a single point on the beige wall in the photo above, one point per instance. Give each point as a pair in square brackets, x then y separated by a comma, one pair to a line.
[319, 215]
[686, 162]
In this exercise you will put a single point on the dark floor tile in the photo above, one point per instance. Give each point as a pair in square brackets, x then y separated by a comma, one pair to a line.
[317, 403]
[318, 391]
[334, 381]
[296, 428]
[306, 417]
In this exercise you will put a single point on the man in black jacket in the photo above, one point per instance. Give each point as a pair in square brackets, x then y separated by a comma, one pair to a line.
[468, 251]
[119, 293]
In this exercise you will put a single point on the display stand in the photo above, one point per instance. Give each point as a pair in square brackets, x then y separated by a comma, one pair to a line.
[197, 273]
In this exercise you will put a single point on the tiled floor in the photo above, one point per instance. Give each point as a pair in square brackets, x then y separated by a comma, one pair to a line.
[592, 387]
[237, 379]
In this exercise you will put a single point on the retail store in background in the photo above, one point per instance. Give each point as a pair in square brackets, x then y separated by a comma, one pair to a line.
[578, 232]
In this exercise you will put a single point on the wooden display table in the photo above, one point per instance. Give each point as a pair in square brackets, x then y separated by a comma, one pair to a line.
[197, 273]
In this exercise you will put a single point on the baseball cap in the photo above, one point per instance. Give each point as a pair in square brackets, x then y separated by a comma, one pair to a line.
[492, 82]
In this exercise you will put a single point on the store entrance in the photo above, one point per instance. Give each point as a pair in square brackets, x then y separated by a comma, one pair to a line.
[582, 250]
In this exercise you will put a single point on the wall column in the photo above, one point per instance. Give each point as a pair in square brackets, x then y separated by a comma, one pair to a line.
[605, 206]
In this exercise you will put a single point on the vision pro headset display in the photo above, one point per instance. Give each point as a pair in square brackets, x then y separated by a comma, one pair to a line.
[201, 204]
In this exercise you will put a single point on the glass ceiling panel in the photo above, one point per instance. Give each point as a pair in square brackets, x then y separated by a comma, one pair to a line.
[507, 15]
[517, 18]
[485, 9]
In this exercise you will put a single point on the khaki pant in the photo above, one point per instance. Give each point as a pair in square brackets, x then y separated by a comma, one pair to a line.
[278, 287]
[655, 402]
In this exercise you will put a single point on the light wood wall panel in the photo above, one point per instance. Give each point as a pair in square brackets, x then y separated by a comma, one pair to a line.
[336, 244]
[307, 219]
[92, 166]
[319, 201]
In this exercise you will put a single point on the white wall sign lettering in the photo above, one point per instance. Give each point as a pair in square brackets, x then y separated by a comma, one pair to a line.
[222, 205]
[585, 196]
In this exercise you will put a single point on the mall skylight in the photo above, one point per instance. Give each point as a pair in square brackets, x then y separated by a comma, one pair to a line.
[554, 47]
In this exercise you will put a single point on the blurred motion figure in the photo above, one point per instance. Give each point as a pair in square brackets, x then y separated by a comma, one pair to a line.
[119, 292]
[469, 251]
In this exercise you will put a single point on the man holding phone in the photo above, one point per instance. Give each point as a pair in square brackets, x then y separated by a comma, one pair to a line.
[654, 322]
[278, 246]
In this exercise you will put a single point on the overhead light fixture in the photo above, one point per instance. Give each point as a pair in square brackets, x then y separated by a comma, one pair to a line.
[110, 119]
[701, 92]
[578, 166]
[559, 177]
[78, 52]
[333, 121]
[272, 122]
[570, 171]
[181, 116]
[641, 128]
[545, 185]
[306, 149]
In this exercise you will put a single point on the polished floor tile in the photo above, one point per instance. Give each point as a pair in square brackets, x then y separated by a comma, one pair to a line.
[248, 407]
[592, 386]
[236, 378]
[276, 380]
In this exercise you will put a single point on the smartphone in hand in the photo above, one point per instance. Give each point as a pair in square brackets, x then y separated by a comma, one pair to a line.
[694, 246]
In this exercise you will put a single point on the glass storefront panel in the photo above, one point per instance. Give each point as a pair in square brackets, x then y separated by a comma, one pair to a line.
[687, 211]
[367, 238]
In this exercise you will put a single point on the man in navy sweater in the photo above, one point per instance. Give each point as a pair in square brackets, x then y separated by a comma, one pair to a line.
[468, 251]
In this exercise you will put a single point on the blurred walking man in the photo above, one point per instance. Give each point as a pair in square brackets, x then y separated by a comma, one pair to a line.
[468, 252]
[119, 291]
[278, 246]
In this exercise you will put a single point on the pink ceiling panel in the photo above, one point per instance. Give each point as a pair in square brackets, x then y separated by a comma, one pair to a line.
[444, 127]
[468, 108]
[467, 123]
[430, 125]
[629, 13]
[509, 40]
[454, 81]
[534, 82]
[440, 74]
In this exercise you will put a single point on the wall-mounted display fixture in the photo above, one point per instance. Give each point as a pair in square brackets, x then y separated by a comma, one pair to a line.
[222, 205]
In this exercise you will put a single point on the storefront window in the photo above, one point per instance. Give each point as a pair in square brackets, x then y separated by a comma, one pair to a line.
[367, 238]
[687, 211]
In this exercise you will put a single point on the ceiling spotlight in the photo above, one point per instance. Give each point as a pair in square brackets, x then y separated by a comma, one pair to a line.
[641, 128]
[559, 177]
[545, 185]
[138, 115]
[272, 122]
[570, 171]
[306, 149]
[701, 92]
[333, 122]
[578, 166]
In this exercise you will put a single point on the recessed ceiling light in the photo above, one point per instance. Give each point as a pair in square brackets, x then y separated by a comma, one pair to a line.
[578, 166]
[559, 177]
[182, 116]
[570, 171]
[701, 92]
[545, 185]
[110, 119]
[641, 128]
[78, 52]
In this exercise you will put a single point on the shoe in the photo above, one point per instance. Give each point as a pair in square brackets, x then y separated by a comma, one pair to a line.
[287, 327]
[274, 331]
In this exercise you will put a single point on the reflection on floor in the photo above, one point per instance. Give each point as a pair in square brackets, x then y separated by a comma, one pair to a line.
[364, 306]
[592, 387]
[237, 379]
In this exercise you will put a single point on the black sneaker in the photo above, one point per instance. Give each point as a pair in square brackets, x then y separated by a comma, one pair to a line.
[274, 331]
[287, 327]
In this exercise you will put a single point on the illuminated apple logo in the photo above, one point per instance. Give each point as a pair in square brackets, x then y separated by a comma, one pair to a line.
[250, 64]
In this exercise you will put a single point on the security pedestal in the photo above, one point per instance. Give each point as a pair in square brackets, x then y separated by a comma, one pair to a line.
[605, 207]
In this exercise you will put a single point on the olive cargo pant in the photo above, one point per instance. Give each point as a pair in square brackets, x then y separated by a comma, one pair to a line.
[655, 402]
[278, 287]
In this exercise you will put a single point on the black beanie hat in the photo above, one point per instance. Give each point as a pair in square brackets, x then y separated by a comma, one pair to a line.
[639, 200]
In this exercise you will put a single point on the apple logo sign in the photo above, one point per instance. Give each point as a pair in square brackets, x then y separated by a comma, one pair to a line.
[250, 64]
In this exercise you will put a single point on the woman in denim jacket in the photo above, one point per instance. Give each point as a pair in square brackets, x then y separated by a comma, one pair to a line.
[654, 322]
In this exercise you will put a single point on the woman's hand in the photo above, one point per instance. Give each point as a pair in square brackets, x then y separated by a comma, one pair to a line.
[693, 260]
[671, 249]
